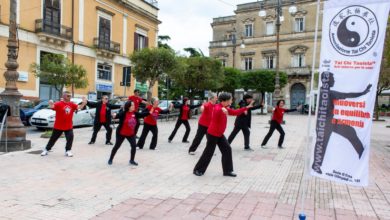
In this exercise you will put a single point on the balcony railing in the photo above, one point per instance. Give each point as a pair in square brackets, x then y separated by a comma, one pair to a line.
[52, 28]
[106, 45]
[304, 70]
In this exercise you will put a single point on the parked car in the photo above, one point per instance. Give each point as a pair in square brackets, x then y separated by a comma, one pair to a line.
[29, 111]
[44, 119]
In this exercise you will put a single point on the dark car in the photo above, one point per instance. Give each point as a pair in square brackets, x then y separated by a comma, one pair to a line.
[26, 113]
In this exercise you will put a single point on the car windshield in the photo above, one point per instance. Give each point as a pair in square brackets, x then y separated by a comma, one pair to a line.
[26, 104]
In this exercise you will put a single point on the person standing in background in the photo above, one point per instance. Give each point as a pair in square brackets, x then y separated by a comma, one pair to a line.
[137, 100]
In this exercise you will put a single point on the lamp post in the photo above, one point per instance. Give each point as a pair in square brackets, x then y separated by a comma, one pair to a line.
[279, 19]
[14, 135]
[234, 45]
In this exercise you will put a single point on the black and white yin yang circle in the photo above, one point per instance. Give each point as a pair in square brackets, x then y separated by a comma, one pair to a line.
[352, 31]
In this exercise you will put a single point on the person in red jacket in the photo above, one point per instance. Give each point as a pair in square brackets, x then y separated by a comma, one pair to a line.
[137, 100]
[277, 119]
[150, 124]
[126, 130]
[204, 122]
[63, 123]
[215, 137]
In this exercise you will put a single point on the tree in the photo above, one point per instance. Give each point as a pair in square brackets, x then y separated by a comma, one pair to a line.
[194, 52]
[161, 42]
[384, 77]
[150, 64]
[57, 71]
[232, 80]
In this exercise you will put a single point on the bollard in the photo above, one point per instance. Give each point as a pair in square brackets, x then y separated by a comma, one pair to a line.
[302, 216]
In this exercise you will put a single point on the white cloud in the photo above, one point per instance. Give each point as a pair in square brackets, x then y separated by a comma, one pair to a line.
[187, 22]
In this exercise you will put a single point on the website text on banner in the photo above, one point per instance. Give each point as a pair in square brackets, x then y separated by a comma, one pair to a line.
[353, 34]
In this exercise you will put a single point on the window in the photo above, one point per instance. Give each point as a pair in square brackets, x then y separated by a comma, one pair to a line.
[52, 16]
[104, 33]
[248, 63]
[140, 41]
[298, 60]
[269, 62]
[299, 25]
[269, 28]
[223, 61]
[104, 71]
[248, 30]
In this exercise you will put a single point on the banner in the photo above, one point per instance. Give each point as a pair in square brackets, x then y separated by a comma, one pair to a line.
[353, 33]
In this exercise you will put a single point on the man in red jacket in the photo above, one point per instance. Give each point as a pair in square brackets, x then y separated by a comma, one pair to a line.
[63, 123]
[215, 137]
[204, 122]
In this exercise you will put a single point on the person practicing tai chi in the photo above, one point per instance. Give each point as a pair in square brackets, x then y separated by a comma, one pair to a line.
[185, 110]
[204, 122]
[327, 124]
[215, 137]
[126, 130]
[276, 121]
[137, 101]
[102, 118]
[63, 122]
[150, 124]
[243, 122]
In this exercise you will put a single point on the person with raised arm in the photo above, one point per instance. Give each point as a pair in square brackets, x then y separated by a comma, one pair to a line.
[137, 100]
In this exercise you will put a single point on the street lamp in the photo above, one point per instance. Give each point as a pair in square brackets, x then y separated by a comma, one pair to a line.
[234, 44]
[15, 133]
[279, 19]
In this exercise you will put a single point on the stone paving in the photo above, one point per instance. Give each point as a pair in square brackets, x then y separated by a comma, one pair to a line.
[268, 185]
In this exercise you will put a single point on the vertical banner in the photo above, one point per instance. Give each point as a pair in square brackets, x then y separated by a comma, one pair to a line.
[353, 33]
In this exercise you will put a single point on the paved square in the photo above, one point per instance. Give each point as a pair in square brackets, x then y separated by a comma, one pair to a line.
[163, 187]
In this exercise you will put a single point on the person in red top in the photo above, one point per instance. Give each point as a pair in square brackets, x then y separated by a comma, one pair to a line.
[183, 117]
[277, 119]
[204, 122]
[137, 100]
[215, 137]
[63, 123]
[126, 130]
[150, 124]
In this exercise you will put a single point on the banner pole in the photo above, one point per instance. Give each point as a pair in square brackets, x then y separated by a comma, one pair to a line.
[302, 215]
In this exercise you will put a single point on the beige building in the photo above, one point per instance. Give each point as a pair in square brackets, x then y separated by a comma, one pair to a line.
[97, 34]
[258, 34]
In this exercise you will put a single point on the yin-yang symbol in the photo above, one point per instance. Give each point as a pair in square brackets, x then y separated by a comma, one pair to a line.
[352, 31]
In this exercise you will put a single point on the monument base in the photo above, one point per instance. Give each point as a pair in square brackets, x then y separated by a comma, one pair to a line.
[14, 146]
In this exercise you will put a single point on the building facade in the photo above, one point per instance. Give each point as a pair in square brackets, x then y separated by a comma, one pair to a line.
[258, 35]
[97, 34]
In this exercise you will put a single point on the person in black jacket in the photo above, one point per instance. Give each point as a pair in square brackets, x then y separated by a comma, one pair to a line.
[185, 110]
[102, 118]
[126, 130]
[243, 121]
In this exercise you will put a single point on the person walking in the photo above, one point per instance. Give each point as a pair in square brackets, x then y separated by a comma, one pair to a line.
[63, 122]
[137, 100]
[243, 122]
[126, 130]
[102, 118]
[204, 122]
[185, 110]
[276, 121]
[150, 124]
[215, 137]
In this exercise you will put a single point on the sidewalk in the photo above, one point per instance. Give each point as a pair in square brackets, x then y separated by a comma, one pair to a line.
[163, 187]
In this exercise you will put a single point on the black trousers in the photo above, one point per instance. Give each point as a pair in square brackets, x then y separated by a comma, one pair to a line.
[178, 124]
[145, 131]
[119, 140]
[277, 126]
[245, 130]
[57, 134]
[224, 147]
[96, 129]
[200, 133]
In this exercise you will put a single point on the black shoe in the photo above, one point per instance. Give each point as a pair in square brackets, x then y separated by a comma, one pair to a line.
[136, 137]
[198, 173]
[169, 140]
[248, 149]
[140, 148]
[231, 174]
[280, 147]
[91, 142]
[109, 162]
[186, 142]
[152, 148]
[132, 162]
[109, 143]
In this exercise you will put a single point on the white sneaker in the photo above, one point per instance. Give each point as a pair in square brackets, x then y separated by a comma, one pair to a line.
[68, 153]
[264, 146]
[191, 153]
[44, 152]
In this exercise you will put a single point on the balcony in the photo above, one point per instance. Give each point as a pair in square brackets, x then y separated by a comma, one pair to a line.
[53, 33]
[106, 48]
[301, 71]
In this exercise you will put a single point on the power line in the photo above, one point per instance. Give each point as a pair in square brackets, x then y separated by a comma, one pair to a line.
[226, 3]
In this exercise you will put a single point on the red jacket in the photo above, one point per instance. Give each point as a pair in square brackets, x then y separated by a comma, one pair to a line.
[279, 112]
[205, 118]
[219, 119]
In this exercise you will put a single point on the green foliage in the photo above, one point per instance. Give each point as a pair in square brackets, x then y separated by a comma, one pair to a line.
[232, 80]
[262, 80]
[194, 52]
[161, 42]
[150, 64]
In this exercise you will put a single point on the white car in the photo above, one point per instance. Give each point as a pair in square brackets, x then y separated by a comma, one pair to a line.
[45, 118]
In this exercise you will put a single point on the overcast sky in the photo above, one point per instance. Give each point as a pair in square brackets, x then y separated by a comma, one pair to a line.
[187, 22]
